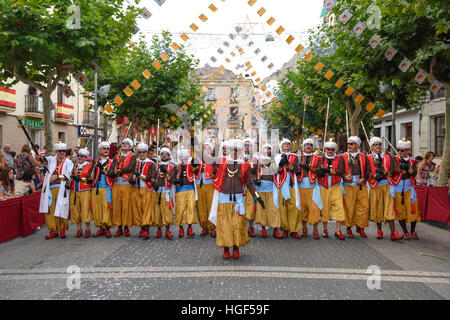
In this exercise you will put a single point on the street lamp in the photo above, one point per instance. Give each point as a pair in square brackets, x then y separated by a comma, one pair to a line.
[104, 91]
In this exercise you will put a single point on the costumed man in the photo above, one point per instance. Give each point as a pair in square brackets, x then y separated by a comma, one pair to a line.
[356, 198]
[310, 199]
[331, 190]
[142, 196]
[265, 172]
[204, 177]
[228, 208]
[405, 203]
[382, 167]
[162, 185]
[80, 194]
[288, 194]
[186, 193]
[123, 166]
[55, 194]
[250, 203]
[101, 194]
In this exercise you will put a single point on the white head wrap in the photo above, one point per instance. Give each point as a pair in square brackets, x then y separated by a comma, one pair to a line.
[355, 139]
[330, 145]
[236, 143]
[60, 146]
[267, 145]
[130, 142]
[183, 153]
[165, 150]
[404, 144]
[84, 152]
[285, 141]
[209, 144]
[250, 140]
[309, 140]
[373, 140]
[103, 144]
[142, 146]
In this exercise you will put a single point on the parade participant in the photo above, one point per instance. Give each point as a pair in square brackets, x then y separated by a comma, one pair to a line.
[56, 193]
[288, 194]
[310, 199]
[405, 204]
[265, 172]
[382, 167]
[228, 209]
[224, 148]
[123, 166]
[163, 207]
[250, 203]
[80, 194]
[142, 197]
[186, 193]
[356, 198]
[101, 194]
[331, 189]
[204, 177]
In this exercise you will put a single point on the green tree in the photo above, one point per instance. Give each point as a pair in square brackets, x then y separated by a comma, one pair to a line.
[174, 83]
[39, 49]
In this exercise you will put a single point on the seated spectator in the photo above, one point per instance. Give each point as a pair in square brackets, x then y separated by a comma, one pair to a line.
[425, 168]
[24, 161]
[3, 163]
[39, 178]
[25, 185]
[6, 184]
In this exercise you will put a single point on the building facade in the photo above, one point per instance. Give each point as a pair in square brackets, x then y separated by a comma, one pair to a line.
[424, 127]
[72, 122]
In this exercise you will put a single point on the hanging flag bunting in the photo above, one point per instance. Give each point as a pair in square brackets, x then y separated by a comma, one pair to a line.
[370, 106]
[329, 75]
[263, 59]
[359, 98]
[238, 29]
[232, 36]
[329, 4]
[435, 87]
[220, 51]
[146, 13]
[67, 91]
[271, 21]
[270, 66]
[134, 29]
[213, 59]
[261, 11]
[345, 16]
[156, 65]
[404, 65]
[128, 91]
[380, 114]
[297, 91]
[146, 74]
[299, 48]
[319, 66]
[212, 7]
[279, 30]
[290, 39]
[193, 27]
[203, 18]
[337, 121]
[118, 100]
[184, 37]
[359, 28]
[420, 76]
[308, 57]
[136, 85]
[349, 91]
[164, 56]
[175, 46]
[251, 43]
[160, 2]
[81, 78]
[285, 79]
[278, 73]
[373, 42]
[290, 84]
[320, 109]
[339, 83]
[390, 53]
[257, 51]
[108, 109]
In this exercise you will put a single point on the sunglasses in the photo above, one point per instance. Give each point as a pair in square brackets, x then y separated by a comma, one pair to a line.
[60, 151]
[350, 143]
[400, 150]
[376, 144]
[308, 144]
[105, 148]
[81, 156]
[329, 149]
[142, 152]
[164, 154]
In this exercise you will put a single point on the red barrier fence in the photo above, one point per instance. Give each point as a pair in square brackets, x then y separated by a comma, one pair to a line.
[434, 204]
[20, 216]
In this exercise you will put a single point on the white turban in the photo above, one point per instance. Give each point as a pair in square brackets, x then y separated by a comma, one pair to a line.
[142, 146]
[60, 146]
[236, 143]
[224, 144]
[267, 145]
[130, 142]
[209, 144]
[103, 144]
[165, 150]
[330, 145]
[373, 140]
[250, 140]
[183, 153]
[309, 140]
[285, 141]
[355, 139]
[404, 144]
[84, 152]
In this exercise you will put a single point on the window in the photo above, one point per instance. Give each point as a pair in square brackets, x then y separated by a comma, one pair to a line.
[62, 136]
[60, 94]
[439, 125]
[377, 132]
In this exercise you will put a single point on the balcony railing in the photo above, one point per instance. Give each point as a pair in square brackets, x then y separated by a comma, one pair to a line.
[33, 104]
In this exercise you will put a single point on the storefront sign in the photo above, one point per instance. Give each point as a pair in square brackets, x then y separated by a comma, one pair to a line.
[33, 124]
[84, 131]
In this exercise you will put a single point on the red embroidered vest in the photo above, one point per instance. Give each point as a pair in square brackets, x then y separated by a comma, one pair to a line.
[386, 167]
[207, 169]
[167, 183]
[220, 176]
[311, 175]
[399, 176]
[283, 175]
[123, 163]
[109, 181]
[362, 163]
[335, 179]
[84, 174]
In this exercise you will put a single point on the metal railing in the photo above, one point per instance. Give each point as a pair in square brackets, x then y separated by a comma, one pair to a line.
[33, 104]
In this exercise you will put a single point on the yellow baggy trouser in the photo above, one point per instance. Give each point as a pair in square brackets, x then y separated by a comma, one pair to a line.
[270, 216]
[231, 227]
[53, 223]
[310, 210]
[185, 208]
[249, 206]
[101, 211]
[291, 218]
[408, 210]
[204, 202]
[163, 212]
[356, 206]
[121, 196]
[332, 203]
[80, 211]
[142, 206]
[381, 204]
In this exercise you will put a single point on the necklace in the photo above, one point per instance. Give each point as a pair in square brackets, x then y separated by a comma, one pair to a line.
[232, 173]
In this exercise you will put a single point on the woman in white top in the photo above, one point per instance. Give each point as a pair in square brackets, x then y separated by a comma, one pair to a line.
[23, 186]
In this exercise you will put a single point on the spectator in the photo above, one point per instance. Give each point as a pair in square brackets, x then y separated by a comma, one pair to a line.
[8, 156]
[24, 161]
[73, 155]
[426, 168]
[38, 179]
[3, 163]
[6, 184]
[418, 159]
[25, 185]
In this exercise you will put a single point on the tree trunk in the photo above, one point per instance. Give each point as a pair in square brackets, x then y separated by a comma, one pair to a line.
[445, 163]
[48, 104]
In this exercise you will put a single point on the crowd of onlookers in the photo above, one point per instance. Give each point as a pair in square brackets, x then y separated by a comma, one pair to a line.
[22, 174]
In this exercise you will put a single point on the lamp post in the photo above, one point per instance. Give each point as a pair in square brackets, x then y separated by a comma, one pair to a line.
[104, 90]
